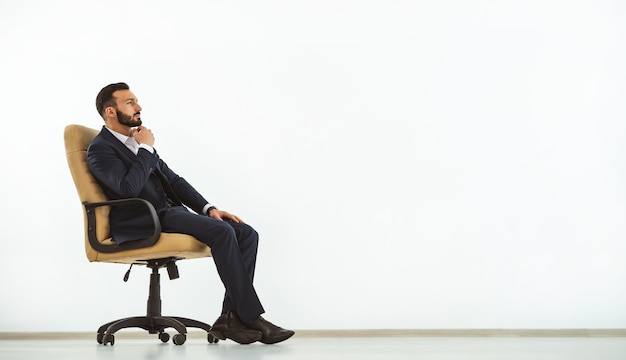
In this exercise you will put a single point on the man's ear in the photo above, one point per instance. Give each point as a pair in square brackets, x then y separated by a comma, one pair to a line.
[109, 111]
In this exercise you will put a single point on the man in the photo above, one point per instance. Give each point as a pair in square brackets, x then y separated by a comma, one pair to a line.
[123, 160]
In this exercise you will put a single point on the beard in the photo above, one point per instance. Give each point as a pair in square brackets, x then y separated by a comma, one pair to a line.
[127, 119]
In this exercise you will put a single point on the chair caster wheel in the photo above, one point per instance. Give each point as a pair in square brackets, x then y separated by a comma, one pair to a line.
[211, 339]
[99, 338]
[164, 337]
[108, 339]
[179, 339]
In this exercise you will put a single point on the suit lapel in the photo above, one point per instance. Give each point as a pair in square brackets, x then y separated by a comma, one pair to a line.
[106, 134]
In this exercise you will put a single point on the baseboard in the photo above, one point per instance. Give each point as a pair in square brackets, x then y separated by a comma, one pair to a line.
[134, 334]
[465, 333]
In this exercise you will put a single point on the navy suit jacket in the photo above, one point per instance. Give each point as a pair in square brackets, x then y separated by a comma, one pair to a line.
[123, 174]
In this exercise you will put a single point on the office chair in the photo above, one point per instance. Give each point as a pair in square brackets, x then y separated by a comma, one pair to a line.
[160, 250]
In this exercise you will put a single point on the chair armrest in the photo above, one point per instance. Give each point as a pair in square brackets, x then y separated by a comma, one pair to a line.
[128, 245]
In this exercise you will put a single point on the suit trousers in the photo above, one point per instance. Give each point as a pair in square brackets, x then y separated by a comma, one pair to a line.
[234, 249]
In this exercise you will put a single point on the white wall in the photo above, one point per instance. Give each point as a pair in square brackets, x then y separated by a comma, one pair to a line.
[409, 164]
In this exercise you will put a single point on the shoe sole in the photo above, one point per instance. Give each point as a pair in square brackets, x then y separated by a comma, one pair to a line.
[239, 337]
[277, 340]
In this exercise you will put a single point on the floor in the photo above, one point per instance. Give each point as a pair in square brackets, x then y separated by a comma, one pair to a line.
[343, 348]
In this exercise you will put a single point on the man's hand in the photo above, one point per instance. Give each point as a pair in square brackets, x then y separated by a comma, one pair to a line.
[221, 215]
[143, 135]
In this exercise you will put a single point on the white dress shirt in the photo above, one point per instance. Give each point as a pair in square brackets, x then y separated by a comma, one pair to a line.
[131, 143]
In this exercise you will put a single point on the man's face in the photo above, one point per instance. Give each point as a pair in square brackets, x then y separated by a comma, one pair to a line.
[128, 110]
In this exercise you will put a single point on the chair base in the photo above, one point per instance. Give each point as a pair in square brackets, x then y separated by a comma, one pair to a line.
[154, 325]
[153, 322]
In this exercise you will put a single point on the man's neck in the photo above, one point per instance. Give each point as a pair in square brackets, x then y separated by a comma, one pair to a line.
[118, 128]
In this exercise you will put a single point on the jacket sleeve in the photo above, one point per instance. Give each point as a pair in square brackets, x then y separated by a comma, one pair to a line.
[186, 193]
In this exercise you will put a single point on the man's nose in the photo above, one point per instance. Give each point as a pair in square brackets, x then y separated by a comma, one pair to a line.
[138, 108]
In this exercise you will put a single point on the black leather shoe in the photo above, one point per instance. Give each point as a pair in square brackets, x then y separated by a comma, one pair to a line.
[272, 334]
[229, 326]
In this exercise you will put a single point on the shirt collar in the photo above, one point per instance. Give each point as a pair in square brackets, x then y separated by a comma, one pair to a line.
[120, 137]
[128, 141]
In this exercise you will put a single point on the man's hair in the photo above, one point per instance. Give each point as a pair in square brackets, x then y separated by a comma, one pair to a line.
[105, 97]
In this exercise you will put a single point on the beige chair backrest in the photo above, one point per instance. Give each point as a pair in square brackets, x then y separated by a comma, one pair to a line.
[77, 140]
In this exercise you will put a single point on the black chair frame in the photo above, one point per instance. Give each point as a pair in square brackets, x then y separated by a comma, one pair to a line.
[153, 322]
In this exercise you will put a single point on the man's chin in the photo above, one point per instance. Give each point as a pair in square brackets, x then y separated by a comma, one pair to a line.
[132, 124]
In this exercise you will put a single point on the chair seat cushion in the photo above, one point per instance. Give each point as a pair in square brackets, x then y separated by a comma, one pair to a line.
[168, 245]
